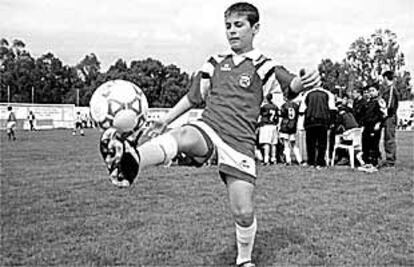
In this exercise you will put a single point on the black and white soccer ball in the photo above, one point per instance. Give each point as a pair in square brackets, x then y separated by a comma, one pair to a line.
[119, 104]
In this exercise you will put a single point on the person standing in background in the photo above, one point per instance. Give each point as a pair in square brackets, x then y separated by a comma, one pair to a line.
[359, 105]
[31, 119]
[390, 95]
[318, 106]
[11, 124]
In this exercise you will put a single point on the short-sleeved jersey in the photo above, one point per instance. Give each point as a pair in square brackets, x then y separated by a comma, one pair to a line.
[289, 114]
[233, 87]
[78, 118]
[269, 114]
[11, 117]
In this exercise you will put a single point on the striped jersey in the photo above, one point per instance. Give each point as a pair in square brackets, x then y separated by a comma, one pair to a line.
[233, 88]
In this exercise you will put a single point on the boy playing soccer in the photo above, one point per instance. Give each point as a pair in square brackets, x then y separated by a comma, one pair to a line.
[232, 84]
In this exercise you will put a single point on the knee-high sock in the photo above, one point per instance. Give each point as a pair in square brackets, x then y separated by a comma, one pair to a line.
[296, 151]
[287, 152]
[266, 153]
[245, 241]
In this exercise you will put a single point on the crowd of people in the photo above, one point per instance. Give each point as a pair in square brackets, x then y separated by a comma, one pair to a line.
[324, 116]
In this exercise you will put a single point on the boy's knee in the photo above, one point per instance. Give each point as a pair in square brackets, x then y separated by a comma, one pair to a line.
[186, 137]
[243, 216]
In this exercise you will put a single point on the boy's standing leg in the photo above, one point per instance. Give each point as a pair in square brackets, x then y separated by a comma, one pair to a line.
[240, 195]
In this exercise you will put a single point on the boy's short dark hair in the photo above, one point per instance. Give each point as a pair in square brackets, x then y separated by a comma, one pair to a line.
[9, 108]
[389, 75]
[244, 8]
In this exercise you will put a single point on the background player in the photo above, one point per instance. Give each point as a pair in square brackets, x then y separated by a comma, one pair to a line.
[31, 119]
[268, 121]
[289, 114]
[235, 82]
[78, 124]
[11, 124]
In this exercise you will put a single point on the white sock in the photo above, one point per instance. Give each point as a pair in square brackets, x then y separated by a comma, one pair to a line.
[298, 156]
[245, 241]
[287, 153]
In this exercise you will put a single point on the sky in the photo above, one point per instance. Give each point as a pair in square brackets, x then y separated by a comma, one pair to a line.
[296, 33]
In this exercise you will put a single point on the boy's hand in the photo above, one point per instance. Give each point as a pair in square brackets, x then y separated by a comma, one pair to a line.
[121, 158]
[377, 126]
[310, 79]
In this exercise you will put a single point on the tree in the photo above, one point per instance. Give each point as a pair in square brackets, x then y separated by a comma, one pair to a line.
[368, 58]
[89, 68]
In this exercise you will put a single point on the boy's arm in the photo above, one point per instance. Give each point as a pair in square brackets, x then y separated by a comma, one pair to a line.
[292, 85]
[197, 92]
[181, 107]
[305, 81]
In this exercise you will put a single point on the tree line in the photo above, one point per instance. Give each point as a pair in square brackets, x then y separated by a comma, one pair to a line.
[366, 59]
[46, 79]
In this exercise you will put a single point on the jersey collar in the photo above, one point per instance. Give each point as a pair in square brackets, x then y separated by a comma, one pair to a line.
[254, 55]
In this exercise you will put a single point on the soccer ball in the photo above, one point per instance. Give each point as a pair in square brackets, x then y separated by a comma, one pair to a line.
[119, 104]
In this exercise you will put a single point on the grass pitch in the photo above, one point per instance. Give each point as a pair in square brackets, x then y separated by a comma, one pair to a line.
[58, 208]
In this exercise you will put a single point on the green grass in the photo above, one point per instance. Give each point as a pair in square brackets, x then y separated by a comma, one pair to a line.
[58, 208]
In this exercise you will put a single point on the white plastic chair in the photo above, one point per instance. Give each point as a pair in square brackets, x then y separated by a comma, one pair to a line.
[354, 135]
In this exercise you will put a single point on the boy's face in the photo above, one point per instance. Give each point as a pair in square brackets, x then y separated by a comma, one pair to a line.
[373, 92]
[239, 33]
[355, 94]
[387, 82]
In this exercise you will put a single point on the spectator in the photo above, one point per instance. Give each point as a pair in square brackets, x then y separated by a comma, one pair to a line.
[288, 127]
[390, 94]
[318, 106]
[344, 121]
[268, 121]
[374, 116]
[358, 106]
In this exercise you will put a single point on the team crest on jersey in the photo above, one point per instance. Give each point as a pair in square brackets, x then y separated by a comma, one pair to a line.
[225, 67]
[244, 80]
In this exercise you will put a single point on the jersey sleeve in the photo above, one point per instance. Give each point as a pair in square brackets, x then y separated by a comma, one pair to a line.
[200, 83]
[275, 78]
[284, 77]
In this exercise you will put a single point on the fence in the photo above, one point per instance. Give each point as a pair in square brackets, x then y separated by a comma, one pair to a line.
[47, 116]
